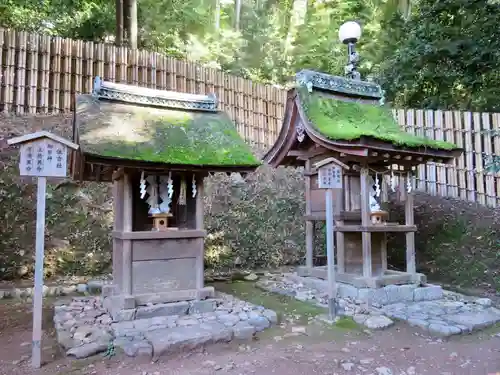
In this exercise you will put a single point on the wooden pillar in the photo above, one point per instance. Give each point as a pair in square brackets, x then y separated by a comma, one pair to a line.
[127, 244]
[365, 222]
[199, 225]
[309, 223]
[384, 198]
[411, 266]
[117, 226]
[338, 206]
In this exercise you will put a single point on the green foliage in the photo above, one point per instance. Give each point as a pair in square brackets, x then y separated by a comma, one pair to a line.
[161, 135]
[77, 227]
[350, 120]
[446, 56]
[426, 54]
[255, 223]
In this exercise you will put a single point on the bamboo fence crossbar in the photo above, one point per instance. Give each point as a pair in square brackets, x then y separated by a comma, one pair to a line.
[41, 74]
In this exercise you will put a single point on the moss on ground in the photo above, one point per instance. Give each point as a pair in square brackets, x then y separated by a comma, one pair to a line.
[125, 131]
[351, 120]
[282, 305]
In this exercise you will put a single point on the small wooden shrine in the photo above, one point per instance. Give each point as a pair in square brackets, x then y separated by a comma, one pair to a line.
[344, 119]
[156, 147]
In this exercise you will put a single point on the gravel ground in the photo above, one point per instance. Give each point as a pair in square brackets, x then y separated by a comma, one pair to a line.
[397, 351]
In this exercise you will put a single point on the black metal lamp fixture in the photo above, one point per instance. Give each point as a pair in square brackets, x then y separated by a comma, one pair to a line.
[349, 33]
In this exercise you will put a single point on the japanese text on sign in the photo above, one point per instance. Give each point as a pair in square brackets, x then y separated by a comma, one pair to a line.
[330, 177]
[43, 157]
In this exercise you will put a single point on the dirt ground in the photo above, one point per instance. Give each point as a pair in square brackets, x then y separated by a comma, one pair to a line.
[397, 351]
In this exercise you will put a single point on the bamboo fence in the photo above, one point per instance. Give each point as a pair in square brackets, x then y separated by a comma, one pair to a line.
[40, 74]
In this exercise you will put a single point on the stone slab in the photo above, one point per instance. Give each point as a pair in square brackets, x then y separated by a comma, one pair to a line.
[477, 319]
[162, 309]
[174, 340]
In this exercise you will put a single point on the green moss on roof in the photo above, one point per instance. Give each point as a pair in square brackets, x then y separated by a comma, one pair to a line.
[139, 133]
[350, 120]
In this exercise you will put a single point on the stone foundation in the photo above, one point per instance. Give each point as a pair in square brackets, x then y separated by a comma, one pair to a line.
[84, 327]
[429, 307]
[374, 297]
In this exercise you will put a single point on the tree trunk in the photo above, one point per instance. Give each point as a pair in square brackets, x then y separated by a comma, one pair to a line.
[217, 15]
[237, 12]
[119, 22]
[131, 22]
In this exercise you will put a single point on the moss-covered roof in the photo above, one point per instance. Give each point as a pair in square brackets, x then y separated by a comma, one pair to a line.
[141, 133]
[351, 120]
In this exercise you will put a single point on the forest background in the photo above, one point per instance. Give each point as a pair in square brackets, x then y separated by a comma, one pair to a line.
[433, 54]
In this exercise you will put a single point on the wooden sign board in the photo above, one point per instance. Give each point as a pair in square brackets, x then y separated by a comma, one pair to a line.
[330, 173]
[42, 155]
[330, 177]
[43, 158]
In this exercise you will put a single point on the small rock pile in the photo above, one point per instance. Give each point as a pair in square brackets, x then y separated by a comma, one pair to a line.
[84, 328]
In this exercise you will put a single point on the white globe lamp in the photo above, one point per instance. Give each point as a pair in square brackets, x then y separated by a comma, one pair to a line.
[349, 32]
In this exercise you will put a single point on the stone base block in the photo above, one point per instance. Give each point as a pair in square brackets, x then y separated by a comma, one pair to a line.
[377, 297]
[119, 314]
[378, 280]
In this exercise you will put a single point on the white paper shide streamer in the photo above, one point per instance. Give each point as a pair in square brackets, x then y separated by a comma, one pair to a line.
[193, 186]
[142, 186]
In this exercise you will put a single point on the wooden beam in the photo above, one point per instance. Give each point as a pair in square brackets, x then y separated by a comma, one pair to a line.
[411, 266]
[309, 223]
[365, 221]
[330, 160]
[118, 174]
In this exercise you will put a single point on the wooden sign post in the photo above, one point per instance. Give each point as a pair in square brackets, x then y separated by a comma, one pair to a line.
[330, 178]
[42, 155]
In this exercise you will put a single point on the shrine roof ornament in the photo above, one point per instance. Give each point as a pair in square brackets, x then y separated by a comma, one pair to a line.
[147, 96]
[340, 85]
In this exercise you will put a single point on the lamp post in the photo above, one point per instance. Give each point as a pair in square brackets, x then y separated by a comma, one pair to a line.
[349, 33]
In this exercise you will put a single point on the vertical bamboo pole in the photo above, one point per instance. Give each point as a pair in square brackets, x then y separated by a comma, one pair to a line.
[459, 140]
[487, 140]
[478, 171]
[55, 75]
[32, 73]
[431, 167]
[452, 190]
[20, 82]
[440, 168]
[44, 76]
[422, 169]
[469, 157]
[66, 74]
[496, 150]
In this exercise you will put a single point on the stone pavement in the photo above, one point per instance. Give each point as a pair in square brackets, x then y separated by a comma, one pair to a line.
[430, 308]
[84, 328]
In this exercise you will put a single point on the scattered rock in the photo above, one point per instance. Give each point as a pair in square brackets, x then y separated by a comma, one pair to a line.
[383, 371]
[378, 322]
[251, 277]
[243, 331]
[486, 302]
[138, 348]
[348, 366]
[87, 350]
[299, 329]
[81, 288]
